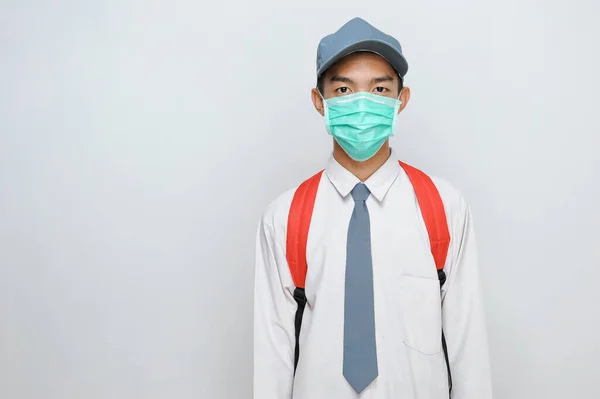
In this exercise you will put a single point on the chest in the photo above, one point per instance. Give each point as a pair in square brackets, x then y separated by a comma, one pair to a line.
[398, 238]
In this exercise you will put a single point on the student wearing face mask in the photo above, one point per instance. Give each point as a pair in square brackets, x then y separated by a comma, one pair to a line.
[367, 282]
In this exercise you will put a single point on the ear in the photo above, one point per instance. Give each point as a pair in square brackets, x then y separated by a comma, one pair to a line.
[318, 101]
[405, 98]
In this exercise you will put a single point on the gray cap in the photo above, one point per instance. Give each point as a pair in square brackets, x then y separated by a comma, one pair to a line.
[358, 35]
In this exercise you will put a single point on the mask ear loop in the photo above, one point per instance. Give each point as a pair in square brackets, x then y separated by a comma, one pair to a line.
[399, 94]
[325, 112]
[323, 99]
[398, 98]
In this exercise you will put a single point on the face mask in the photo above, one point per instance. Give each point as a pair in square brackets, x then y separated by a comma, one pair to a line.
[361, 122]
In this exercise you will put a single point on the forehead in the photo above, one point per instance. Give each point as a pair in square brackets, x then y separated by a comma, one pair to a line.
[361, 63]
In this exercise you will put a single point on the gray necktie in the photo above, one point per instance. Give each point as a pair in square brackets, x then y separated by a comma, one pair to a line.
[360, 352]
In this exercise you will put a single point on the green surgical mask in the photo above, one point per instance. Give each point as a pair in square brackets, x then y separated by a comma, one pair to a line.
[361, 122]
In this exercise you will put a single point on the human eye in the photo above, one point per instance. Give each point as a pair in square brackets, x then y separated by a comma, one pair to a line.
[343, 90]
[381, 89]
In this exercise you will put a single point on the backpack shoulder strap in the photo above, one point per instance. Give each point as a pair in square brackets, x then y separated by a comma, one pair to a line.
[299, 219]
[300, 215]
[434, 215]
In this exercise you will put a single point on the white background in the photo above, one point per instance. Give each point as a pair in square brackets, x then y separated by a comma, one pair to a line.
[141, 140]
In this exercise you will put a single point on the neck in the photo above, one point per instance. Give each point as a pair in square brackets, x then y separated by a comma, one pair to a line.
[362, 170]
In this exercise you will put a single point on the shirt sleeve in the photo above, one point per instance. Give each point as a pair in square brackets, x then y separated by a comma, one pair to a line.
[463, 314]
[274, 309]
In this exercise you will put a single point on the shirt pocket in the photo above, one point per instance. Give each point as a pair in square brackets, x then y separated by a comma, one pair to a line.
[421, 314]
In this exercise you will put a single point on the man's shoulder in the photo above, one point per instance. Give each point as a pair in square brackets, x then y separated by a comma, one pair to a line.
[455, 204]
[452, 197]
[276, 213]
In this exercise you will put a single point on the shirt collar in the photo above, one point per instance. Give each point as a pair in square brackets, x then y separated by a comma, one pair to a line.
[379, 183]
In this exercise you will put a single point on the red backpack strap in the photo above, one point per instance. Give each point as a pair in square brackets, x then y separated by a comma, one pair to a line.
[299, 218]
[432, 209]
[434, 215]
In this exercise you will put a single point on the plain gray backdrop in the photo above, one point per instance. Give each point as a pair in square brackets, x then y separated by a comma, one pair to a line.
[141, 140]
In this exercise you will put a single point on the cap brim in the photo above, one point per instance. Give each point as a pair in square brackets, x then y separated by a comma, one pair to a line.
[391, 55]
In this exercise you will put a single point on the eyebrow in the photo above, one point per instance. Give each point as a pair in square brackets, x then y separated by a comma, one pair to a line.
[343, 79]
[381, 79]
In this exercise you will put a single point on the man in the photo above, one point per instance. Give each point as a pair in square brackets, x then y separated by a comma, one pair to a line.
[374, 317]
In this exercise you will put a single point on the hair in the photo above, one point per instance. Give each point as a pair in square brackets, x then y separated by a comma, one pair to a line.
[320, 83]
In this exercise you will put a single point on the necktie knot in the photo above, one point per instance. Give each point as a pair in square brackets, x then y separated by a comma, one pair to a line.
[360, 192]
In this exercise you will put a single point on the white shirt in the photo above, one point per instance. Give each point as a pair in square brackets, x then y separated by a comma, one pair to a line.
[410, 310]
